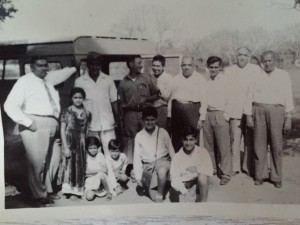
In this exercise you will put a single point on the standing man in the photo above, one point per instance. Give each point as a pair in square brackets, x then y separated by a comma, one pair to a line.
[101, 99]
[240, 76]
[216, 124]
[271, 102]
[187, 94]
[163, 81]
[33, 104]
[136, 91]
[152, 148]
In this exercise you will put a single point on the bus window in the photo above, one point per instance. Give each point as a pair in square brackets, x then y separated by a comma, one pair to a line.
[52, 66]
[12, 69]
[118, 70]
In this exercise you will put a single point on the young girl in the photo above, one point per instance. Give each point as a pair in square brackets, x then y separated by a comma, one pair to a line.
[118, 162]
[75, 121]
[97, 171]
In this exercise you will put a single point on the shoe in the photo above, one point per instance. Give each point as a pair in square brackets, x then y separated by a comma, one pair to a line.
[42, 202]
[100, 193]
[258, 182]
[277, 184]
[140, 190]
[53, 196]
[235, 173]
[108, 197]
[224, 180]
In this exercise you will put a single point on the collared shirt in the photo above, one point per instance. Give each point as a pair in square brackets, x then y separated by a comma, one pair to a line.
[145, 148]
[130, 91]
[271, 88]
[240, 81]
[217, 94]
[99, 96]
[29, 96]
[187, 167]
[188, 89]
[164, 85]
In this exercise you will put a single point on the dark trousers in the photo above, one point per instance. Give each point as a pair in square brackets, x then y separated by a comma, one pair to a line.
[217, 141]
[268, 127]
[183, 115]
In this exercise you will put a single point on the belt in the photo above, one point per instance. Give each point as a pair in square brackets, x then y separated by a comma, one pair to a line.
[47, 116]
[185, 102]
[266, 105]
[213, 110]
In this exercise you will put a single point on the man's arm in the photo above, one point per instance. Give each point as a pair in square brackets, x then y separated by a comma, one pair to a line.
[176, 180]
[58, 76]
[14, 102]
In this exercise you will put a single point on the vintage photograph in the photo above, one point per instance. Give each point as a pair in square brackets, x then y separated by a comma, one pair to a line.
[115, 103]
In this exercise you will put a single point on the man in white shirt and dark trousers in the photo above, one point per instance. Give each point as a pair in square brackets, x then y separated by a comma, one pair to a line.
[163, 81]
[241, 76]
[187, 92]
[271, 102]
[152, 149]
[216, 124]
[101, 100]
[33, 104]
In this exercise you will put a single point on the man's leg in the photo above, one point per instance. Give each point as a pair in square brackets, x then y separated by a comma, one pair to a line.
[177, 124]
[162, 171]
[276, 120]
[208, 137]
[221, 130]
[235, 139]
[260, 143]
[203, 188]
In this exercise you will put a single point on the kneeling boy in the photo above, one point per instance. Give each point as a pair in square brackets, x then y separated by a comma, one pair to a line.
[190, 169]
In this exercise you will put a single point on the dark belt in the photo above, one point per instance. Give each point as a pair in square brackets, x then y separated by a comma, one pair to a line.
[266, 105]
[47, 116]
[185, 102]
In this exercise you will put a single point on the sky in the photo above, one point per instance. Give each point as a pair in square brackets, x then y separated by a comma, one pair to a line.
[48, 19]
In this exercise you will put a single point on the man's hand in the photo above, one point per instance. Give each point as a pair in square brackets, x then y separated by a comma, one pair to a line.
[200, 124]
[32, 127]
[249, 121]
[287, 124]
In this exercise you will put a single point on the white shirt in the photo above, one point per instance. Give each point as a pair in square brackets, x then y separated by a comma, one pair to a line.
[192, 89]
[187, 167]
[99, 96]
[120, 164]
[271, 88]
[29, 96]
[145, 148]
[164, 82]
[217, 94]
[96, 164]
[240, 81]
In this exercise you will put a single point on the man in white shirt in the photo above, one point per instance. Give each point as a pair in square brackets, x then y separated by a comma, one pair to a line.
[152, 147]
[191, 168]
[33, 104]
[163, 81]
[270, 104]
[101, 100]
[216, 124]
[187, 93]
[240, 76]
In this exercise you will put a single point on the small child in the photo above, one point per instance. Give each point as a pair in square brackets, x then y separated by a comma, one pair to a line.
[118, 162]
[96, 171]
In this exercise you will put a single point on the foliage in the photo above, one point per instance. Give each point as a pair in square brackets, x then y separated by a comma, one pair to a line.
[7, 9]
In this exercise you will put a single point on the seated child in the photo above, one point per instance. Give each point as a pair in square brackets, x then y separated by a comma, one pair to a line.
[190, 169]
[96, 171]
[118, 162]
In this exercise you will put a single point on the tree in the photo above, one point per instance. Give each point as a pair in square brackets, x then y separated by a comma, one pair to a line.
[149, 22]
[7, 9]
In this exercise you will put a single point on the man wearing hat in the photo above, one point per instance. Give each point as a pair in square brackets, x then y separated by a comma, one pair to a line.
[101, 99]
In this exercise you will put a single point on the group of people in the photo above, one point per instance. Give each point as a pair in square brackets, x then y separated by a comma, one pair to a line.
[175, 129]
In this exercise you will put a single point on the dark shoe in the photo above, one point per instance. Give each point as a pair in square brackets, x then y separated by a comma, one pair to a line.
[53, 196]
[140, 190]
[277, 184]
[42, 202]
[224, 180]
[258, 182]
[235, 173]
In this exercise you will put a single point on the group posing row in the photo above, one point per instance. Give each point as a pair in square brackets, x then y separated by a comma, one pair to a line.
[217, 105]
